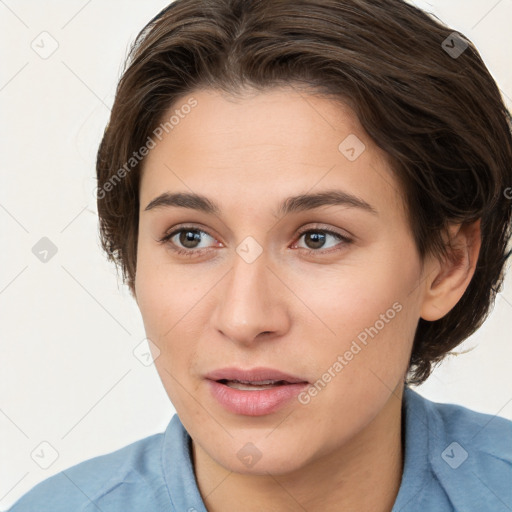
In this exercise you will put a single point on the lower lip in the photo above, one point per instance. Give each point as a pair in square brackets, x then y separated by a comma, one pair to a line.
[257, 402]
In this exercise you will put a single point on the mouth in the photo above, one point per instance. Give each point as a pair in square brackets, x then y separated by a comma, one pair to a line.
[253, 386]
[255, 392]
[253, 377]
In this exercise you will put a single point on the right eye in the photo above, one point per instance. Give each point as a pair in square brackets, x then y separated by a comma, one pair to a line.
[185, 241]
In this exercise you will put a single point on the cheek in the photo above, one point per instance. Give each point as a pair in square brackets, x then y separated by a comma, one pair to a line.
[368, 316]
[169, 306]
[159, 292]
[168, 326]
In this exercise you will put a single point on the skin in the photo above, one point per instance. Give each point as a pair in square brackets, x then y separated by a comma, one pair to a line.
[287, 309]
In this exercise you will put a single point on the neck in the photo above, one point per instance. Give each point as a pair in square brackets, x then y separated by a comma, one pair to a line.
[362, 474]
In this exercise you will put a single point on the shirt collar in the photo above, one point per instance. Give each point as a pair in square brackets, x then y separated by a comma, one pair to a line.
[416, 447]
[178, 470]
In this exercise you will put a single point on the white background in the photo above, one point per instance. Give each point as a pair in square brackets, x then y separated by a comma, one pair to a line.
[68, 375]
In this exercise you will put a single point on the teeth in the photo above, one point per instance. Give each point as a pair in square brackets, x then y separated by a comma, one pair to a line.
[260, 382]
[243, 386]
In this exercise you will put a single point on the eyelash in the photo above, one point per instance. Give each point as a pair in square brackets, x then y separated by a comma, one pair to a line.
[190, 253]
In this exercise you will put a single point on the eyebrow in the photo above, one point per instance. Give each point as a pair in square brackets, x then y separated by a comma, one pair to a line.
[299, 203]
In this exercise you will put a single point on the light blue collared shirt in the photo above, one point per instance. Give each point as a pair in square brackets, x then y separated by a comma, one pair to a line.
[456, 459]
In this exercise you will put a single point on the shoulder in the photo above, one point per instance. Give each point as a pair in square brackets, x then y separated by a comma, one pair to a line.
[80, 487]
[470, 454]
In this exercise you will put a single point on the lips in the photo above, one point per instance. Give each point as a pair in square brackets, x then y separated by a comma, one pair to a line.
[254, 392]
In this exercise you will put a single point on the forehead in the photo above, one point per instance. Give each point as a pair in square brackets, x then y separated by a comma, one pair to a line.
[278, 120]
[266, 145]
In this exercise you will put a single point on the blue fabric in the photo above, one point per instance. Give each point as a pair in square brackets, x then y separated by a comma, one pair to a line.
[455, 460]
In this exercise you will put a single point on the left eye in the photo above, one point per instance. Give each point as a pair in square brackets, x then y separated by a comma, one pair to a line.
[317, 238]
[187, 237]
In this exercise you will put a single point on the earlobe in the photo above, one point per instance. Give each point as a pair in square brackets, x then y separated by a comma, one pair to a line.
[450, 277]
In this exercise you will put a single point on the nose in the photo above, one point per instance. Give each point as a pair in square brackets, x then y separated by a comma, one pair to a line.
[252, 303]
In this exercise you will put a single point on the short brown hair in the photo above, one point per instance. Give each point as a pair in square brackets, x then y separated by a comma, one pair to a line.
[436, 112]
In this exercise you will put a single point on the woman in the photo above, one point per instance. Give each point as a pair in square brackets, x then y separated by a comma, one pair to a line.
[309, 202]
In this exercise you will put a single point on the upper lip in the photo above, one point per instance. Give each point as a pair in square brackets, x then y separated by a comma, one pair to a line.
[252, 375]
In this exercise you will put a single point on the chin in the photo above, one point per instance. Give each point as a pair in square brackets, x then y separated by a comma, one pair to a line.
[260, 459]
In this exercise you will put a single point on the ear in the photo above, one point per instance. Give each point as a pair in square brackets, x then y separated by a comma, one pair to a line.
[448, 278]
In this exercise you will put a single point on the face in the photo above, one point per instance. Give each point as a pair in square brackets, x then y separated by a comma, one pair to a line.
[324, 289]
